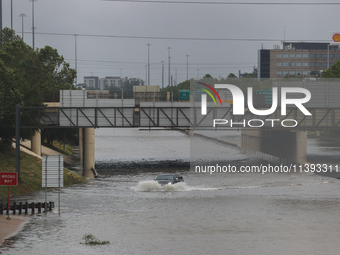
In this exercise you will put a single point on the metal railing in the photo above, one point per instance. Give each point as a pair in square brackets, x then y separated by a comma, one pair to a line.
[174, 117]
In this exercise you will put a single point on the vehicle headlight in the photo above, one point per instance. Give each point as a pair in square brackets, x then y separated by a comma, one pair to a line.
[169, 183]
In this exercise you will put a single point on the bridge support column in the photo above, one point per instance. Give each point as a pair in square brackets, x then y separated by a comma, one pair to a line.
[36, 143]
[81, 154]
[301, 147]
[277, 145]
[86, 151]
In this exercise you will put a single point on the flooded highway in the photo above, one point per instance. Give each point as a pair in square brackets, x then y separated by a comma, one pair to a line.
[219, 213]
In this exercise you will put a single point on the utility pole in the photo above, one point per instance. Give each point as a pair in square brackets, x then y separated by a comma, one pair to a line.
[0, 18]
[169, 64]
[148, 63]
[12, 14]
[162, 74]
[75, 57]
[22, 15]
[187, 67]
[33, 28]
[175, 82]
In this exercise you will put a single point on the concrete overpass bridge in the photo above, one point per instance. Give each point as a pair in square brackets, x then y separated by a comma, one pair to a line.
[282, 136]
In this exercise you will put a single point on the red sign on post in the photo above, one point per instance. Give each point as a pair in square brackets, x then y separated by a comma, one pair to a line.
[9, 179]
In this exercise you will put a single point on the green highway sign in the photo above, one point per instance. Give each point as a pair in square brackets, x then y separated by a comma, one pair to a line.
[184, 94]
[267, 93]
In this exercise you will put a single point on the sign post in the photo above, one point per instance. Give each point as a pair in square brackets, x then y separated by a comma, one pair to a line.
[52, 175]
[335, 40]
[8, 179]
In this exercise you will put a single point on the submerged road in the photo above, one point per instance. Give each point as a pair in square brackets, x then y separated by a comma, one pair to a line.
[220, 213]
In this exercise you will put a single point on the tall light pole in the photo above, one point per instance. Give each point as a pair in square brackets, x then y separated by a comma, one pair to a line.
[169, 64]
[175, 77]
[148, 63]
[22, 15]
[0, 17]
[162, 74]
[327, 56]
[12, 14]
[187, 67]
[33, 28]
[75, 57]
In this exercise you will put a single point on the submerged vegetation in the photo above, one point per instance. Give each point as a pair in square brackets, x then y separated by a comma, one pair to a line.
[92, 240]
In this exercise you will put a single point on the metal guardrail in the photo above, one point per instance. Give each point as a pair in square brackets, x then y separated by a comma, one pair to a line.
[22, 208]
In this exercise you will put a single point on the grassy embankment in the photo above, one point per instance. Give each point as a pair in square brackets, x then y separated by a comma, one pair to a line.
[60, 147]
[30, 173]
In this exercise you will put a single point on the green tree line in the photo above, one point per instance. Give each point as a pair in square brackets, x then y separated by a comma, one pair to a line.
[24, 73]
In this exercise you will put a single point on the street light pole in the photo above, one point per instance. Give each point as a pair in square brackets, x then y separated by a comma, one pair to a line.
[148, 63]
[122, 94]
[12, 14]
[169, 64]
[0, 17]
[327, 56]
[33, 43]
[75, 58]
[187, 67]
[122, 106]
[22, 15]
[162, 74]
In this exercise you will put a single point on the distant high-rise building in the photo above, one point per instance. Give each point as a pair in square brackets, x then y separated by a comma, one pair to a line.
[95, 82]
[91, 82]
[296, 59]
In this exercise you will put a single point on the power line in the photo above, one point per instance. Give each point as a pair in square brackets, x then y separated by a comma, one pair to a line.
[176, 38]
[224, 3]
[156, 62]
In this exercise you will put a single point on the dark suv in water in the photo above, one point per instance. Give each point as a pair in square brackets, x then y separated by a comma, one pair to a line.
[168, 179]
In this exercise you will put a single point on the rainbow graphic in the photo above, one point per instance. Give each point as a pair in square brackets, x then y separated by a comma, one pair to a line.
[208, 92]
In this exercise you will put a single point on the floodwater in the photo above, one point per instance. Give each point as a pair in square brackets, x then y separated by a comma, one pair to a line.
[220, 213]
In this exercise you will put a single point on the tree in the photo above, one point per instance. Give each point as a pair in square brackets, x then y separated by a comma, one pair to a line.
[24, 74]
[9, 97]
[129, 83]
[332, 72]
[8, 35]
[175, 89]
[251, 75]
[231, 76]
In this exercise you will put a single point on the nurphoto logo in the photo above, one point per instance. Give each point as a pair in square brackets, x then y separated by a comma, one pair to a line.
[238, 105]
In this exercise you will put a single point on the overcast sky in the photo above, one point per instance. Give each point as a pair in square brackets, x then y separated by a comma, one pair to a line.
[108, 43]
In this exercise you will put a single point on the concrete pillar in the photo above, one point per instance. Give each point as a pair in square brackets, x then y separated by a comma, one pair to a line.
[250, 139]
[287, 146]
[87, 151]
[190, 131]
[301, 147]
[36, 143]
[81, 161]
